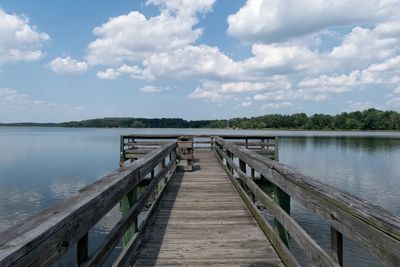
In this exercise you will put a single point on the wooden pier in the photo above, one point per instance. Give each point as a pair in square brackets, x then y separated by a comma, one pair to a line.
[198, 201]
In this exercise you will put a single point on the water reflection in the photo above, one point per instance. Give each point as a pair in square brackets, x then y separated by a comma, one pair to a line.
[44, 165]
[366, 167]
[18, 204]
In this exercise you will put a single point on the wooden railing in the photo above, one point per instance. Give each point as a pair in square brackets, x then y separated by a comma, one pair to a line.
[45, 237]
[134, 146]
[376, 229]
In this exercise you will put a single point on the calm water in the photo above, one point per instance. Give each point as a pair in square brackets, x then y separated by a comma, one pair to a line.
[39, 166]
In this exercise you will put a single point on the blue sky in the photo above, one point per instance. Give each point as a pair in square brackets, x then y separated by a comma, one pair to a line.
[73, 60]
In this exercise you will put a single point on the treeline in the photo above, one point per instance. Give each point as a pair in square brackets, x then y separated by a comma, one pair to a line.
[370, 119]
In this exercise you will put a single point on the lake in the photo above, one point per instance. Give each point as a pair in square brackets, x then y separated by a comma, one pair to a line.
[39, 166]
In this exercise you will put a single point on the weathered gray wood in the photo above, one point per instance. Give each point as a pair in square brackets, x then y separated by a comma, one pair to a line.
[337, 245]
[198, 224]
[120, 228]
[129, 253]
[44, 237]
[175, 136]
[253, 144]
[82, 250]
[310, 247]
[373, 227]
[283, 252]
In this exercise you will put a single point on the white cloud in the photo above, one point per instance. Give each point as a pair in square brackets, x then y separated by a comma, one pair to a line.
[133, 37]
[183, 7]
[108, 74]
[274, 20]
[68, 65]
[19, 41]
[205, 62]
[219, 92]
[150, 89]
[275, 59]
[246, 104]
[321, 49]
[201, 61]
[133, 71]
[276, 105]
[393, 102]
[358, 105]
[363, 46]
[384, 73]
[11, 99]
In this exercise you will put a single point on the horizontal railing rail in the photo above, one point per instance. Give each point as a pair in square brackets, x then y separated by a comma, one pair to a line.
[369, 225]
[134, 146]
[43, 238]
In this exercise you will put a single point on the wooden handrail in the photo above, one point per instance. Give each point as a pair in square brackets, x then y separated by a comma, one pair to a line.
[372, 226]
[310, 247]
[41, 239]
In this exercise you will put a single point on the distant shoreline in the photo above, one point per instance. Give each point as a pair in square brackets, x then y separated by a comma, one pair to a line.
[367, 120]
[228, 129]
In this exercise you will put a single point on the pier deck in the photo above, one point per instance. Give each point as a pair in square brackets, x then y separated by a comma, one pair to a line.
[201, 220]
[201, 201]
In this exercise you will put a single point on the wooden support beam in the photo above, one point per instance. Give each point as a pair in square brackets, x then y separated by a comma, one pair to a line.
[337, 246]
[82, 249]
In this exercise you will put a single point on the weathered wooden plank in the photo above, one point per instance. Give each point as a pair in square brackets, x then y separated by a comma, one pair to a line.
[82, 250]
[375, 228]
[337, 245]
[287, 258]
[129, 252]
[120, 228]
[310, 247]
[253, 144]
[194, 215]
[44, 237]
[265, 261]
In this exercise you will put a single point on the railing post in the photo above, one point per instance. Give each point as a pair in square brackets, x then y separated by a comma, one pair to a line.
[242, 166]
[276, 151]
[230, 155]
[82, 250]
[283, 200]
[126, 203]
[337, 246]
[185, 152]
[122, 151]
[253, 174]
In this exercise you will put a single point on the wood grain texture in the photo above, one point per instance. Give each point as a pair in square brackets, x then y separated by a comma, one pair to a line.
[43, 238]
[371, 226]
[201, 220]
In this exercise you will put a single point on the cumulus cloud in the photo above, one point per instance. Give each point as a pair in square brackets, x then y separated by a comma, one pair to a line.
[218, 92]
[150, 89]
[183, 7]
[384, 73]
[299, 50]
[108, 74]
[68, 65]
[273, 20]
[190, 62]
[19, 40]
[363, 46]
[133, 37]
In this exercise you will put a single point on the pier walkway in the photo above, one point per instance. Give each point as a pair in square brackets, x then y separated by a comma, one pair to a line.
[201, 201]
[201, 220]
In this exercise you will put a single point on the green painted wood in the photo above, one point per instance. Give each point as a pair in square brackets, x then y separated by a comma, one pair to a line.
[125, 205]
[283, 200]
